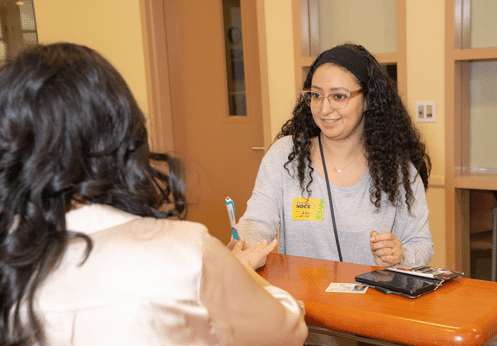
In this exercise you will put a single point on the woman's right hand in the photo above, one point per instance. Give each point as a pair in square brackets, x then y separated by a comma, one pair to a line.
[233, 242]
[251, 255]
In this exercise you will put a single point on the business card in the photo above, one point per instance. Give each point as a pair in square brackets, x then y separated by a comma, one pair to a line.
[346, 288]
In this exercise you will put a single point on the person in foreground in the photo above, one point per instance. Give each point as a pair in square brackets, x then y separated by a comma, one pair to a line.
[93, 251]
[346, 178]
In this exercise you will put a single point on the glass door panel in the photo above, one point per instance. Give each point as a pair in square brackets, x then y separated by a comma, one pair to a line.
[371, 23]
[483, 23]
[483, 117]
[235, 69]
[17, 28]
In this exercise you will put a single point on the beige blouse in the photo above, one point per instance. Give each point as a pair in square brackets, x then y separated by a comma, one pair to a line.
[159, 282]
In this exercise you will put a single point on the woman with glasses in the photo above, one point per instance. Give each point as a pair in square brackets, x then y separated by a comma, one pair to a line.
[346, 178]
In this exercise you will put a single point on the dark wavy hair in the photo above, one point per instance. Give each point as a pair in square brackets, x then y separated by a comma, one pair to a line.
[391, 141]
[70, 130]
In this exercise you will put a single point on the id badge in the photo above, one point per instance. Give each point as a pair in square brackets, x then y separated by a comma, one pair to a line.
[308, 209]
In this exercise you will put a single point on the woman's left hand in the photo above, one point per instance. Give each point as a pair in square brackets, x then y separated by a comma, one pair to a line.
[386, 248]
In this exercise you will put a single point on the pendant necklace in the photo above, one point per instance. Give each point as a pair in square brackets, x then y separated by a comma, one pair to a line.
[340, 170]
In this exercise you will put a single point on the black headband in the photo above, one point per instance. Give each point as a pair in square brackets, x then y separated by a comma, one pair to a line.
[348, 58]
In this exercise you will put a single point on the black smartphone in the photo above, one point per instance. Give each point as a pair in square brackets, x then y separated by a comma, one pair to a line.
[394, 282]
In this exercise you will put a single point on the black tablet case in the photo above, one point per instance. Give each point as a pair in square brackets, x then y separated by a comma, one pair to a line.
[393, 282]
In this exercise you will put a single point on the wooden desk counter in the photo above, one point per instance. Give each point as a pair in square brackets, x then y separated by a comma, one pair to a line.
[461, 312]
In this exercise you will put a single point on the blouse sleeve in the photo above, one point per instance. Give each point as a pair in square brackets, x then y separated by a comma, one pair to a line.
[243, 312]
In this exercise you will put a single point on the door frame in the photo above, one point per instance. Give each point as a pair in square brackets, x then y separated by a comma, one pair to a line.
[159, 115]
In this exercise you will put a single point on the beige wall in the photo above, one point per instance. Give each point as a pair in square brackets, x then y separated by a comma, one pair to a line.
[280, 61]
[425, 82]
[112, 27]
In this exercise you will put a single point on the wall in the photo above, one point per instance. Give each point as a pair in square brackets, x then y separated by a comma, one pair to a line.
[280, 62]
[425, 82]
[112, 27]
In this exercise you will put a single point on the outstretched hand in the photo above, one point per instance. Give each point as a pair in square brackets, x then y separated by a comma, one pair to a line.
[233, 242]
[386, 248]
[251, 255]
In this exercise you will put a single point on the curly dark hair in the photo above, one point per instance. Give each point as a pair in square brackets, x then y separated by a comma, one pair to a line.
[391, 142]
[70, 130]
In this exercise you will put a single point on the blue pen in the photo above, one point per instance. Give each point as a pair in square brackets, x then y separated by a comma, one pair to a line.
[231, 212]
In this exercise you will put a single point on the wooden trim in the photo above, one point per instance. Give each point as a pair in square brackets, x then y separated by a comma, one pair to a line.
[476, 181]
[462, 118]
[476, 54]
[401, 58]
[462, 245]
[436, 181]
[456, 130]
[387, 58]
[157, 76]
[300, 38]
[264, 79]
[452, 256]
[307, 61]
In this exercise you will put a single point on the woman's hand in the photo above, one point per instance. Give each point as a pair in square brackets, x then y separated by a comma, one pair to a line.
[252, 255]
[233, 242]
[386, 248]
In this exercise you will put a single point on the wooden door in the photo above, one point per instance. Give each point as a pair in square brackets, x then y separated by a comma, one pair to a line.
[217, 147]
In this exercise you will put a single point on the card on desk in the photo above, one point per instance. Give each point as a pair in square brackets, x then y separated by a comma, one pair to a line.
[346, 288]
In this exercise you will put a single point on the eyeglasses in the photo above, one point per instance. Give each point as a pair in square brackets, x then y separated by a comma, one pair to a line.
[337, 99]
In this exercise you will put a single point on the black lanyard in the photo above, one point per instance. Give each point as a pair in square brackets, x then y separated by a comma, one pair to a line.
[331, 201]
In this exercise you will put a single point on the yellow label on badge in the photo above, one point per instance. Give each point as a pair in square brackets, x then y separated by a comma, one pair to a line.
[311, 209]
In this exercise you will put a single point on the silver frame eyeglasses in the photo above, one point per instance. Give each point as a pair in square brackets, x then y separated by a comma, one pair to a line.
[338, 99]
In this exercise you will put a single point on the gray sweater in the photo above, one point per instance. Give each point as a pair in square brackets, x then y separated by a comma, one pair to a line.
[305, 229]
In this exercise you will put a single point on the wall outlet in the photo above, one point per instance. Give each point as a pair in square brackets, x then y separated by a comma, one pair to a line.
[426, 111]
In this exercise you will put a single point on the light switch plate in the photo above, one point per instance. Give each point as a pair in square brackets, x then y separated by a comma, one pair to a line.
[426, 111]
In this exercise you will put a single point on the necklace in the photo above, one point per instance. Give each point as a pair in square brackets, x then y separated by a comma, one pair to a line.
[340, 170]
